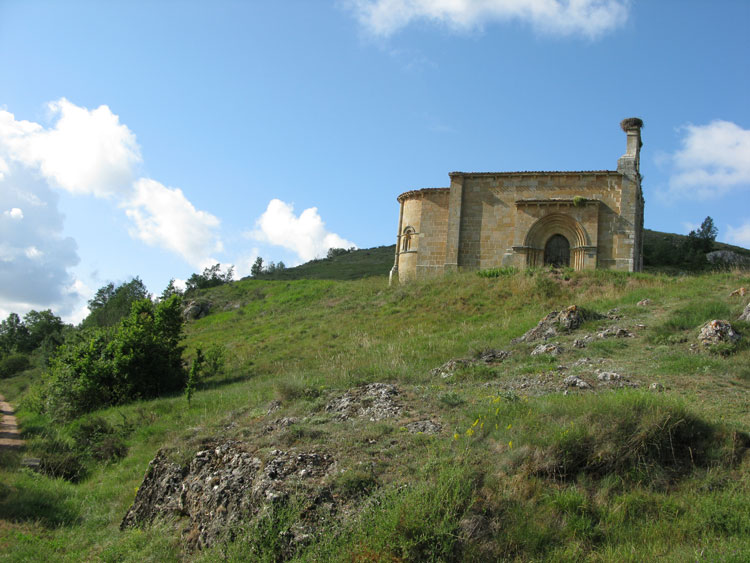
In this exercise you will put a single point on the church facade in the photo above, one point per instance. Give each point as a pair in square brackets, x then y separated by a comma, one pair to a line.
[582, 220]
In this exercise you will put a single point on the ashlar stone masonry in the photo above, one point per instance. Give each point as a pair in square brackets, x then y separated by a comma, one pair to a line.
[584, 220]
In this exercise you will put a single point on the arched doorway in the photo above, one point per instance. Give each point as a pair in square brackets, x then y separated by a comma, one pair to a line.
[557, 251]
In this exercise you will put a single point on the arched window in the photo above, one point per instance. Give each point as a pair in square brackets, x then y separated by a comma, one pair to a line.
[406, 239]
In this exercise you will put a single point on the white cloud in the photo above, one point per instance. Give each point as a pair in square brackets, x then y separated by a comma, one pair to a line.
[164, 217]
[35, 256]
[714, 160]
[305, 235]
[86, 152]
[740, 235]
[15, 213]
[590, 18]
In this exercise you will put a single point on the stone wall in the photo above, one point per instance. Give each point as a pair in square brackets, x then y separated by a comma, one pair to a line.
[490, 220]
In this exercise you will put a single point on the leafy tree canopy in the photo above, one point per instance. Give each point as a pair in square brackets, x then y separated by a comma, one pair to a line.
[211, 277]
[112, 303]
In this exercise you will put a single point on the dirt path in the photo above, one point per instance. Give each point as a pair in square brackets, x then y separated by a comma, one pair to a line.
[10, 435]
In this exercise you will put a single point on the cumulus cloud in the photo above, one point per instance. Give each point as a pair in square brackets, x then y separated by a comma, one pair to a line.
[305, 235]
[85, 152]
[35, 256]
[590, 18]
[164, 217]
[15, 213]
[714, 160]
[739, 235]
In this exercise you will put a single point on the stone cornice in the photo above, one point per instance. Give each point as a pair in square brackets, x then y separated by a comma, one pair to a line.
[412, 194]
[538, 173]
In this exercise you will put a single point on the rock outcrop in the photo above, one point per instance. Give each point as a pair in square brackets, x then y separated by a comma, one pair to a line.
[717, 332]
[556, 322]
[222, 487]
[196, 309]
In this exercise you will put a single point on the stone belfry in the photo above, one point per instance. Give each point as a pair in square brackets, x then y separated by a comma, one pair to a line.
[579, 219]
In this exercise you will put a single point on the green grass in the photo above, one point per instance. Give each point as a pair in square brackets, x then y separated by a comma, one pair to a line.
[614, 476]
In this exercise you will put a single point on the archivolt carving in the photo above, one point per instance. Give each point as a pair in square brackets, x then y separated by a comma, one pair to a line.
[556, 224]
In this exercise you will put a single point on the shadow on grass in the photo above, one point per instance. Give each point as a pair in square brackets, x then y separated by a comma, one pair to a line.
[219, 382]
[51, 509]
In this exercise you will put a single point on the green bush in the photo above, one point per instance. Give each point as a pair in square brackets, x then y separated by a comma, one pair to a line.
[13, 364]
[640, 436]
[497, 272]
[57, 458]
[97, 438]
[139, 359]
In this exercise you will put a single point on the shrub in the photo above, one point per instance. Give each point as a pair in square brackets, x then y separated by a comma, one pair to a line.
[642, 437]
[214, 360]
[497, 272]
[139, 359]
[13, 364]
[97, 438]
[59, 459]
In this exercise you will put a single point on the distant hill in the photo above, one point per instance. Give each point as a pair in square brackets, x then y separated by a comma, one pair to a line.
[352, 265]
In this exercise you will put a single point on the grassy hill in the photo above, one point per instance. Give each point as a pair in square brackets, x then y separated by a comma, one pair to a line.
[481, 460]
[355, 264]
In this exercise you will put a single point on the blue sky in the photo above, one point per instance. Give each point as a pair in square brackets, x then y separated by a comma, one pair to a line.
[156, 138]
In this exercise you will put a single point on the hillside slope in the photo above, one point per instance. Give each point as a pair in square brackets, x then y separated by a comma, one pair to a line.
[332, 435]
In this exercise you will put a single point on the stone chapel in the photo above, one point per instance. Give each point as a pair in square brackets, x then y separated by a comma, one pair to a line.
[583, 220]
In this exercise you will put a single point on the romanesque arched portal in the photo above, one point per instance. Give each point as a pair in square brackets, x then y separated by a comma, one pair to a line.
[556, 239]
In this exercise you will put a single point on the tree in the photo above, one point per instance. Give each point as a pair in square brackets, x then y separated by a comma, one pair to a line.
[257, 267]
[170, 290]
[43, 326]
[211, 277]
[111, 304]
[14, 336]
[705, 235]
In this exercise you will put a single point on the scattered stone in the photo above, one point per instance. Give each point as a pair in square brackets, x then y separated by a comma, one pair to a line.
[644, 303]
[273, 406]
[196, 309]
[279, 424]
[574, 381]
[745, 316]
[609, 376]
[493, 356]
[424, 427]
[375, 401]
[741, 292]
[450, 367]
[582, 342]
[615, 332]
[717, 331]
[581, 362]
[552, 349]
[658, 387]
[566, 320]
